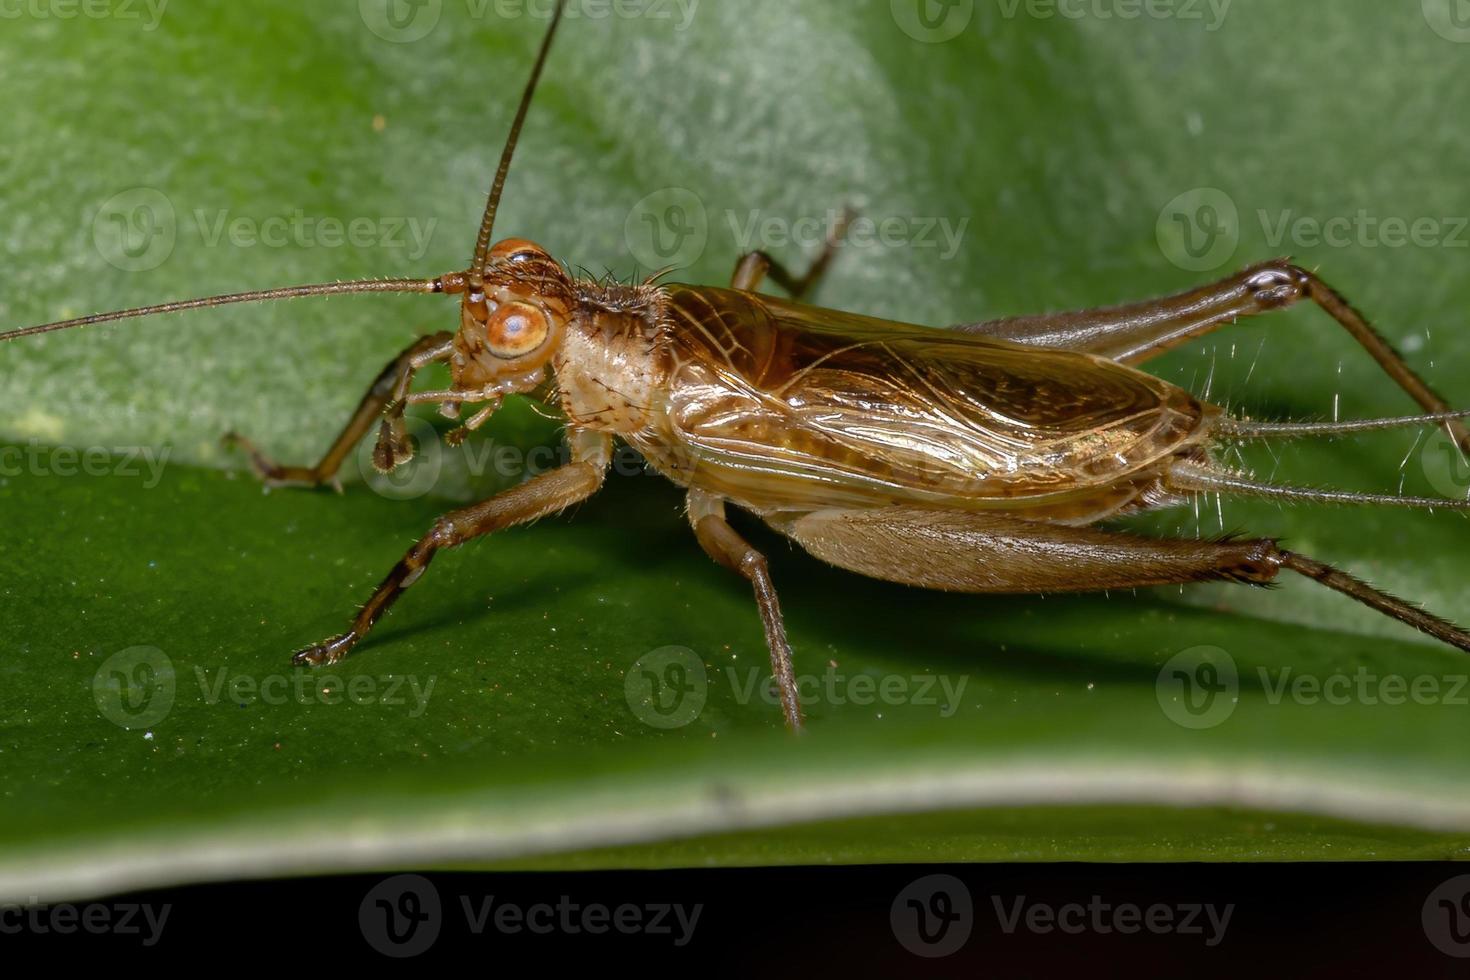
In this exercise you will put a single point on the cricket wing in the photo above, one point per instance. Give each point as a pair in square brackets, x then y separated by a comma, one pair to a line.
[780, 405]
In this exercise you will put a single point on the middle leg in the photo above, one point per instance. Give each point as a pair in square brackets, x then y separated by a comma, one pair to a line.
[721, 542]
[386, 392]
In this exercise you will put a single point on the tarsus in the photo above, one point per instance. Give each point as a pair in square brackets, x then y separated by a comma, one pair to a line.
[1246, 429]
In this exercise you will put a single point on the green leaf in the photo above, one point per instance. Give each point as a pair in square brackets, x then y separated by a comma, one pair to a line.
[151, 728]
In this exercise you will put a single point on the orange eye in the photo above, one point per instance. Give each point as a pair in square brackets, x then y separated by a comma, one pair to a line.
[517, 329]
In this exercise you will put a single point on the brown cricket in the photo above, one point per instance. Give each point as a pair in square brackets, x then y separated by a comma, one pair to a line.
[979, 458]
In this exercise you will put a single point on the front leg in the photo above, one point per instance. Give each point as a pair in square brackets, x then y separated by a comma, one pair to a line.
[536, 498]
[387, 392]
[721, 542]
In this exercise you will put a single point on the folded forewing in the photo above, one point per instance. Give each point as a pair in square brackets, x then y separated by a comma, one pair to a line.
[768, 389]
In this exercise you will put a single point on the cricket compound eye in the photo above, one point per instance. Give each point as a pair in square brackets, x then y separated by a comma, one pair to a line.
[517, 329]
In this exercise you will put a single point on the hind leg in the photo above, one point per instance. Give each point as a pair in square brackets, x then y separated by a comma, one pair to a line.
[972, 552]
[1136, 332]
[722, 543]
[754, 267]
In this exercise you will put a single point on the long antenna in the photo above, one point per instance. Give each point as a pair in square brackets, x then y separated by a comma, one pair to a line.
[260, 295]
[487, 224]
[450, 283]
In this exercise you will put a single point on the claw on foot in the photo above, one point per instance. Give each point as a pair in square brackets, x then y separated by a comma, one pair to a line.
[263, 466]
[326, 653]
[267, 471]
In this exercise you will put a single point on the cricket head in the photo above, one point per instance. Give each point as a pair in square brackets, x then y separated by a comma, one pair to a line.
[513, 316]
